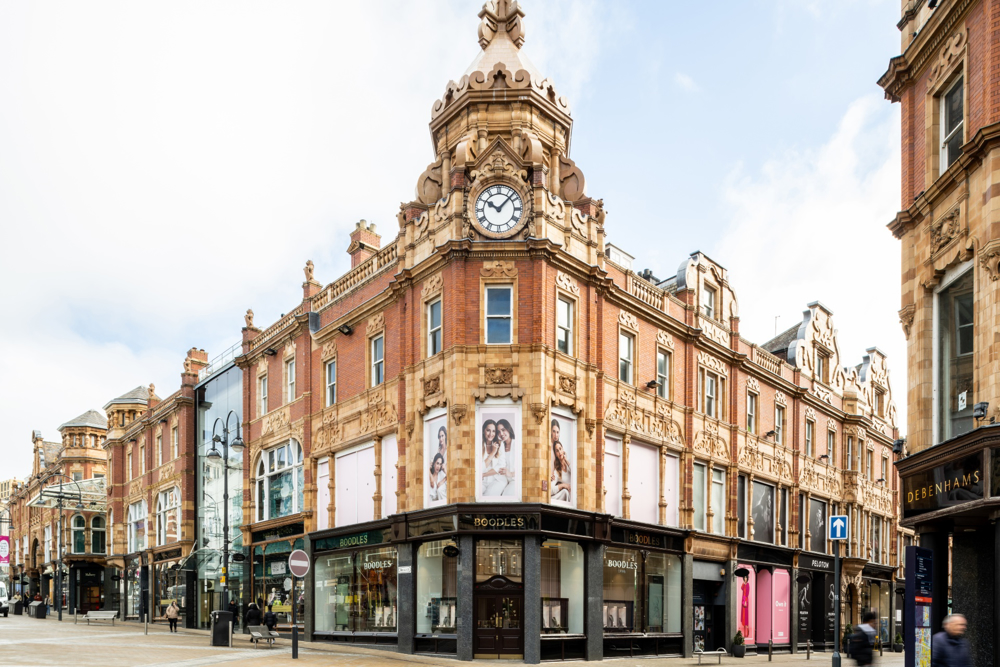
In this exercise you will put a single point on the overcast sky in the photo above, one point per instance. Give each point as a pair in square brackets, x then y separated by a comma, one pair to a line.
[166, 165]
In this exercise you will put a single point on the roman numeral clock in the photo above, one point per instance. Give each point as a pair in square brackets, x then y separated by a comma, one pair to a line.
[499, 211]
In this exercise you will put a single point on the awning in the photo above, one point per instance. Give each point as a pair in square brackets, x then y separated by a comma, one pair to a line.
[89, 495]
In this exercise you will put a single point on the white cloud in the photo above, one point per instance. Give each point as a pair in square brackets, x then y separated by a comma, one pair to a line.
[811, 225]
[686, 82]
[164, 166]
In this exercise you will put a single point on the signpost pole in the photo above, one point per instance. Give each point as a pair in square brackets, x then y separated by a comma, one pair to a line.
[836, 604]
[295, 625]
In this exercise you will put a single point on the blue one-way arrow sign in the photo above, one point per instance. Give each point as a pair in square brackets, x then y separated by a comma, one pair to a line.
[838, 527]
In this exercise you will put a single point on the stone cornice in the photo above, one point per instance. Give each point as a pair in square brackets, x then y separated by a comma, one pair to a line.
[903, 69]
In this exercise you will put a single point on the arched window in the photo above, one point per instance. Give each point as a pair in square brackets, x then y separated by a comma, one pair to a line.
[168, 508]
[137, 514]
[97, 535]
[280, 481]
[79, 534]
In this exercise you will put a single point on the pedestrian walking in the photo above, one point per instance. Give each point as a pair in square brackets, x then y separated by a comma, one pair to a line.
[235, 611]
[863, 639]
[172, 614]
[270, 619]
[253, 615]
[949, 648]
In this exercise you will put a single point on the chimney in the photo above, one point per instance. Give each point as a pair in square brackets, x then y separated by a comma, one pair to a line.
[364, 243]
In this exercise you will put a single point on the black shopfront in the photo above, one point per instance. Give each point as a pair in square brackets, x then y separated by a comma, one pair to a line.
[814, 600]
[527, 582]
[951, 496]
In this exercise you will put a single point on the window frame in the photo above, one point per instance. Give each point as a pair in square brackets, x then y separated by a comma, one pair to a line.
[175, 443]
[708, 305]
[944, 137]
[779, 423]
[260, 487]
[570, 328]
[822, 366]
[831, 446]
[663, 379]
[703, 515]
[142, 459]
[951, 278]
[377, 366]
[74, 529]
[435, 335]
[718, 514]
[262, 395]
[163, 508]
[753, 400]
[331, 387]
[159, 449]
[95, 531]
[809, 437]
[289, 380]
[631, 337]
[509, 317]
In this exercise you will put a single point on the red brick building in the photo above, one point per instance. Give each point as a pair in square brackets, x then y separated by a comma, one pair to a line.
[493, 409]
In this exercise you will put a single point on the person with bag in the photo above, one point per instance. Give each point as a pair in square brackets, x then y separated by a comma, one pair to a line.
[863, 639]
[949, 648]
[172, 613]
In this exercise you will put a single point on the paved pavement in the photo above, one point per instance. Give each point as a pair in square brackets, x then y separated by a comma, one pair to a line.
[28, 641]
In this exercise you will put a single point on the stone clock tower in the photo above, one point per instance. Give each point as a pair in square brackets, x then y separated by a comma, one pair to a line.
[502, 169]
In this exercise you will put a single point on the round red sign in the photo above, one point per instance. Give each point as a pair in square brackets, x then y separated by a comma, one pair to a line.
[298, 563]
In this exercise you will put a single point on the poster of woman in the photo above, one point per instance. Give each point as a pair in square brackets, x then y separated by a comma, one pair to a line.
[562, 480]
[498, 453]
[436, 458]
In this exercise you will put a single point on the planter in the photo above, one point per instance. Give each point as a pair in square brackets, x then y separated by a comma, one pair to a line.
[739, 650]
[898, 648]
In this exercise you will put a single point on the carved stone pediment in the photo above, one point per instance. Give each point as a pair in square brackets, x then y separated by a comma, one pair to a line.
[275, 422]
[432, 286]
[665, 339]
[709, 443]
[499, 162]
[622, 414]
[566, 283]
[627, 319]
[498, 269]
[378, 414]
[375, 324]
[329, 350]
[713, 363]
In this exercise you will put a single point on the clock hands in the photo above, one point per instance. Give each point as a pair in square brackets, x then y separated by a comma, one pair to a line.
[500, 207]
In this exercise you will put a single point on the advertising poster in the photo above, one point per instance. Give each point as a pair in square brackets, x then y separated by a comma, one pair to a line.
[805, 609]
[4, 550]
[498, 452]
[781, 583]
[763, 512]
[817, 525]
[436, 458]
[746, 612]
[562, 453]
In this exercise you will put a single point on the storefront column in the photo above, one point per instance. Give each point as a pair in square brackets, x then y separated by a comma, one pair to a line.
[109, 590]
[532, 595]
[191, 598]
[972, 591]
[687, 604]
[938, 544]
[466, 587]
[793, 616]
[593, 590]
[406, 590]
[732, 604]
[309, 588]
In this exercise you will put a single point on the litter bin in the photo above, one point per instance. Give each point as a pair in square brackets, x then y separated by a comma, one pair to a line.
[18, 608]
[36, 610]
[221, 623]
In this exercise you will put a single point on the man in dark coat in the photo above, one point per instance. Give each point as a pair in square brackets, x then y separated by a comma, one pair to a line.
[270, 619]
[235, 611]
[253, 615]
[949, 648]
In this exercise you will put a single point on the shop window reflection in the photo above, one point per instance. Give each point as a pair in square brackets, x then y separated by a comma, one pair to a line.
[437, 589]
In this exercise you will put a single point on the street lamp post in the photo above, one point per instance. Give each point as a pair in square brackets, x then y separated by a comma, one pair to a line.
[59, 503]
[237, 446]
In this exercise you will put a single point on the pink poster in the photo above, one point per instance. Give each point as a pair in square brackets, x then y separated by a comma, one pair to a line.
[746, 597]
[781, 589]
[4, 550]
[763, 606]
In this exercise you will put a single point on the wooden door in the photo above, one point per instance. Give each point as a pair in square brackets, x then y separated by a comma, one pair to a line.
[499, 625]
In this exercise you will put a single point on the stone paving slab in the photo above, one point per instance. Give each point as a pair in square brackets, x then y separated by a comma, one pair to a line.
[31, 642]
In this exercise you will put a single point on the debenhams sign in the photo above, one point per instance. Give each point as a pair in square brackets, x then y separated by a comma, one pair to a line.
[948, 485]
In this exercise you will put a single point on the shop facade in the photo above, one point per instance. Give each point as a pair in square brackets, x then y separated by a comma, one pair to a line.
[482, 581]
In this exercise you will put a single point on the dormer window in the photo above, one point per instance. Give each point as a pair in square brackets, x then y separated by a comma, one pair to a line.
[822, 366]
[708, 302]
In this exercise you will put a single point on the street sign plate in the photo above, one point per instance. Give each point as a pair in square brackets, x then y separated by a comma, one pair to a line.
[298, 563]
[838, 527]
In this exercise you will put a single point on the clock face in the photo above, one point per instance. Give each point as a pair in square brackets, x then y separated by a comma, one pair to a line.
[499, 209]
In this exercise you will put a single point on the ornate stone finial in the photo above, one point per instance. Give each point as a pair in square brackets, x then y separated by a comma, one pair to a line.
[152, 390]
[501, 16]
[309, 271]
[248, 318]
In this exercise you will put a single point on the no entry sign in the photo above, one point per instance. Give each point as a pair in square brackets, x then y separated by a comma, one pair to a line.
[298, 563]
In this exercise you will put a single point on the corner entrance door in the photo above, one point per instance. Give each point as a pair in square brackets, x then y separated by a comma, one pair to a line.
[498, 618]
[499, 632]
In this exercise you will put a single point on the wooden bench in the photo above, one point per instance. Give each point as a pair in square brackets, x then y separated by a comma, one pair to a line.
[717, 652]
[101, 616]
[262, 633]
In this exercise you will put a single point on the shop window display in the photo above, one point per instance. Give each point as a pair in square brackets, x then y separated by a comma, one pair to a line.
[356, 591]
[641, 595]
[437, 589]
[562, 587]
[270, 572]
